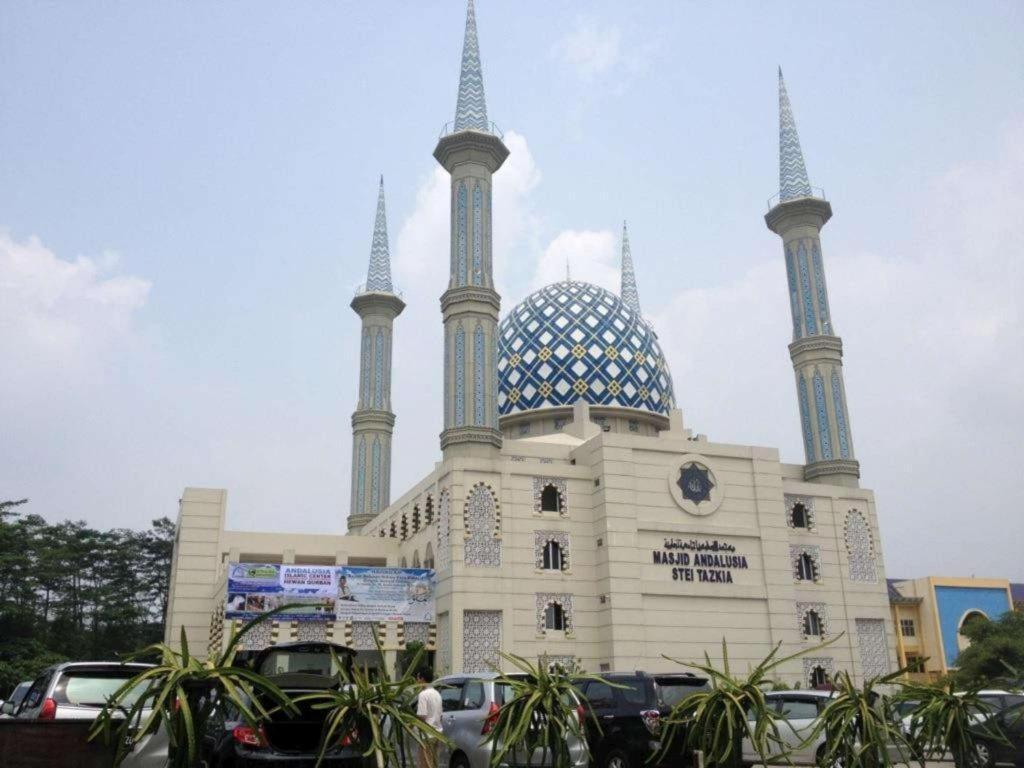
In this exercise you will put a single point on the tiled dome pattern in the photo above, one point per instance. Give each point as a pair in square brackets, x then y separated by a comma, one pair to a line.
[572, 339]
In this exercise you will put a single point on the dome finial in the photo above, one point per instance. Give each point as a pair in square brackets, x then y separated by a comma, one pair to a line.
[378, 276]
[793, 181]
[471, 107]
[628, 292]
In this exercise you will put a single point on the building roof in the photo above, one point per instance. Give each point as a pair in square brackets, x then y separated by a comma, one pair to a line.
[896, 597]
[573, 340]
[378, 275]
[628, 291]
[1016, 592]
[471, 107]
[793, 181]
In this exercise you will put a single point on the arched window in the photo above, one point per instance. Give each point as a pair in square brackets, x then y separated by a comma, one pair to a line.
[428, 556]
[403, 563]
[798, 515]
[554, 617]
[416, 559]
[963, 642]
[805, 568]
[405, 527]
[819, 677]
[393, 533]
[550, 501]
[812, 624]
[383, 533]
[552, 556]
[416, 518]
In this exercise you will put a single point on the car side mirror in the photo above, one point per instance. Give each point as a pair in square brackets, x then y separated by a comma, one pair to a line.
[7, 708]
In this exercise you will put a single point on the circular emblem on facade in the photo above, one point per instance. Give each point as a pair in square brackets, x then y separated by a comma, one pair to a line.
[693, 485]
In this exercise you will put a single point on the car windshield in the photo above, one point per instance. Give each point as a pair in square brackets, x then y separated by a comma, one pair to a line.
[672, 690]
[904, 708]
[285, 661]
[93, 688]
[504, 693]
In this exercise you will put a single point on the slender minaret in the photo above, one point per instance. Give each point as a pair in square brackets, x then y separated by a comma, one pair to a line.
[372, 422]
[816, 352]
[628, 291]
[471, 152]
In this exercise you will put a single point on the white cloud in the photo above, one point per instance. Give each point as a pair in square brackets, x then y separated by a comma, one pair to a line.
[934, 357]
[591, 256]
[590, 48]
[58, 314]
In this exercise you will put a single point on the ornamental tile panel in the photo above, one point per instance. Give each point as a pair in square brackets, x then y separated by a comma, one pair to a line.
[860, 549]
[444, 645]
[460, 376]
[874, 650]
[460, 234]
[819, 281]
[478, 236]
[417, 632]
[483, 526]
[444, 531]
[793, 181]
[805, 288]
[312, 631]
[479, 409]
[840, 406]
[824, 430]
[481, 640]
[805, 418]
[573, 340]
[363, 635]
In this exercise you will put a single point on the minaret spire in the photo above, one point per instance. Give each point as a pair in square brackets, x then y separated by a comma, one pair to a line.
[471, 153]
[378, 276]
[793, 181]
[471, 108]
[628, 291]
[373, 422]
[816, 351]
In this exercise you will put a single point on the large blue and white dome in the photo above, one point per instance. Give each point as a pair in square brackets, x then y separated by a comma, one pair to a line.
[573, 340]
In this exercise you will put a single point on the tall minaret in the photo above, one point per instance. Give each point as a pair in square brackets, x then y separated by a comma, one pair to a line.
[372, 422]
[471, 152]
[816, 352]
[628, 291]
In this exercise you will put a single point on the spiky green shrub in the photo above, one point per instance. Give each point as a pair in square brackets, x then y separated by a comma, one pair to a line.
[541, 711]
[180, 690]
[716, 721]
[376, 712]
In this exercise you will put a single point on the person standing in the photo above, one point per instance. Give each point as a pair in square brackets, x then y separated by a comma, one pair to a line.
[428, 709]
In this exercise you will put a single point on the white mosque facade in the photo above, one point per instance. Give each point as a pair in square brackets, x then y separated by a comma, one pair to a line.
[572, 512]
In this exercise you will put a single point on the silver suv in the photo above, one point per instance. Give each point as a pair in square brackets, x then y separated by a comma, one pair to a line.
[79, 690]
[469, 706]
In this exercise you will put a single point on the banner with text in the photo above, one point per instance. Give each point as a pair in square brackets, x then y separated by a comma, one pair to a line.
[330, 592]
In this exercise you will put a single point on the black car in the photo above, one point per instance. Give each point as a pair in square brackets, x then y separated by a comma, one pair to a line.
[283, 739]
[630, 716]
[1009, 750]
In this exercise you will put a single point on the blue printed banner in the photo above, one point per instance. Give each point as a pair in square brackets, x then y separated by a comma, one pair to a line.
[330, 592]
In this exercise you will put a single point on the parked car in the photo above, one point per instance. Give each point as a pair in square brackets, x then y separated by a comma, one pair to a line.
[9, 707]
[469, 707]
[799, 710]
[1009, 750]
[79, 690]
[630, 717]
[283, 739]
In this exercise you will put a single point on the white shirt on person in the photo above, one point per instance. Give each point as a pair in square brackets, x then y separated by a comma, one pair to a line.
[428, 707]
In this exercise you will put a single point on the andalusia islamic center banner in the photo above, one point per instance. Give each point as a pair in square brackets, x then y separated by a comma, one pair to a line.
[330, 592]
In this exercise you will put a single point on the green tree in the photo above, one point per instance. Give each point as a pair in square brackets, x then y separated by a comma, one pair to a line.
[996, 646]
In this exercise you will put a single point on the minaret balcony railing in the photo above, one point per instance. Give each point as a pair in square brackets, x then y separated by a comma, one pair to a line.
[449, 128]
[817, 193]
[361, 289]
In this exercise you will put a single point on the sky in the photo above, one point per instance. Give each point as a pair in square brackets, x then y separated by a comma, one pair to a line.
[187, 194]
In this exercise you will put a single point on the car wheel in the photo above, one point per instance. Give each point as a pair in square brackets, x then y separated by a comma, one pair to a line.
[983, 751]
[616, 758]
[819, 758]
[459, 760]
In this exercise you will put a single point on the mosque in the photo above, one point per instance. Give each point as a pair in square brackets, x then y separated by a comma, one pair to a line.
[572, 513]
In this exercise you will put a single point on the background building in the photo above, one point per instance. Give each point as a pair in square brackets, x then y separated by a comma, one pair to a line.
[929, 613]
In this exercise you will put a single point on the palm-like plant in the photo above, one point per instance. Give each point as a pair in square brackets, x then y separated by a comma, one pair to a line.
[374, 713]
[541, 711]
[861, 725]
[943, 720]
[177, 691]
[715, 721]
